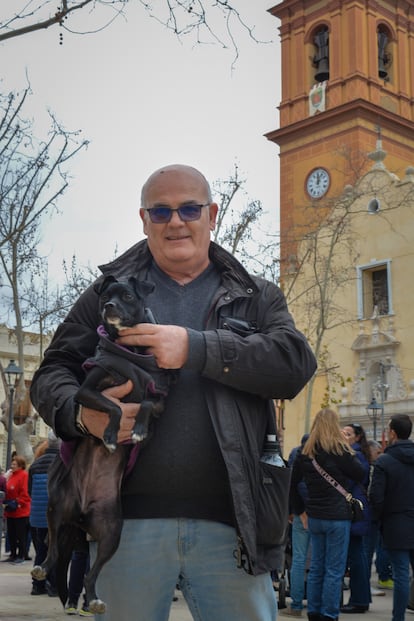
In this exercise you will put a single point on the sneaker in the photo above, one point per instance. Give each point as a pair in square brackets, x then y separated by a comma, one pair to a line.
[410, 609]
[386, 584]
[377, 591]
[85, 612]
[71, 608]
[290, 612]
[38, 589]
[18, 561]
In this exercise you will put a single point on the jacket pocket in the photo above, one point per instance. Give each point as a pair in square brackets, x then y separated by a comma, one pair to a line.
[272, 505]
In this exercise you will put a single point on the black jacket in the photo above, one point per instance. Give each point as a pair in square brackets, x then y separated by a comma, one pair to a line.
[323, 500]
[391, 494]
[247, 365]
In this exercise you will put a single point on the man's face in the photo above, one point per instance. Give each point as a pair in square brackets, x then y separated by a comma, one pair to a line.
[179, 247]
[392, 436]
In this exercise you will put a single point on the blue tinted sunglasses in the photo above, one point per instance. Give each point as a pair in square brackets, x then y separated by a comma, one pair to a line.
[187, 213]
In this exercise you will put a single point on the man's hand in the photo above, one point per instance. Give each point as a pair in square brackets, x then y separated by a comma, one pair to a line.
[96, 422]
[168, 344]
[304, 519]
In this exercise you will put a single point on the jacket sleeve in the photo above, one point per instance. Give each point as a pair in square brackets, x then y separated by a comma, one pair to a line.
[352, 467]
[60, 374]
[275, 361]
[377, 488]
[296, 499]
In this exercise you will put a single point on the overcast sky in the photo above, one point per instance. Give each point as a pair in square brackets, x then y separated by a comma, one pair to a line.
[145, 99]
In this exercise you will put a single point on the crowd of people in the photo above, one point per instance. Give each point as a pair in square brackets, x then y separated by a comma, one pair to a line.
[328, 545]
[24, 504]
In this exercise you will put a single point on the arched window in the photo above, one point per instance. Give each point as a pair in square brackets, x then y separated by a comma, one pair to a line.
[384, 55]
[321, 58]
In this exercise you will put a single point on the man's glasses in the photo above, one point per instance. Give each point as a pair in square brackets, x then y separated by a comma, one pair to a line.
[187, 213]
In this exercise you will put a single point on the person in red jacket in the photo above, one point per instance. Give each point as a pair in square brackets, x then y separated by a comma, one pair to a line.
[17, 509]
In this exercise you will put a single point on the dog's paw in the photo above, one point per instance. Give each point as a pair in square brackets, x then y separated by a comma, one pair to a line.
[97, 606]
[38, 573]
[138, 437]
[110, 446]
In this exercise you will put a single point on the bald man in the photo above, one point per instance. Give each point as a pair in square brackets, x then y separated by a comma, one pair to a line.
[190, 506]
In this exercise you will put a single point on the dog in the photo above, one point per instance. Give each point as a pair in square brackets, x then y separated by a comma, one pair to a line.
[85, 482]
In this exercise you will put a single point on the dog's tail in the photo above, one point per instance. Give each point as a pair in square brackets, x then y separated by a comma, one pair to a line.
[70, 539]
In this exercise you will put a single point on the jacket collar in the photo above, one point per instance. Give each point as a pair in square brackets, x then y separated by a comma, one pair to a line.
[139, 257]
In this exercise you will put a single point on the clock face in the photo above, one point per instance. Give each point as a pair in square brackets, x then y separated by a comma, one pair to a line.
[317, 183]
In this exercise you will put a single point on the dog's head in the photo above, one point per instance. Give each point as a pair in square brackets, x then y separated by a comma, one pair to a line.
[121, 303]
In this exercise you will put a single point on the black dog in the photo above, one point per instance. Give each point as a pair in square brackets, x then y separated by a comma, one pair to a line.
[85, 484]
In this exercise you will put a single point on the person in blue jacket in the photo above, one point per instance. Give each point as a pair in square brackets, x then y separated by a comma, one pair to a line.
[38, 479]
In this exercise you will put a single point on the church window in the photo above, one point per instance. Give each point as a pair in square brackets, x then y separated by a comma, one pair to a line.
[374, 289]
[321, 57]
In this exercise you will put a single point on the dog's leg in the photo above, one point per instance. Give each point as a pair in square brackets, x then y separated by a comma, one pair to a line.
[147, 410]
[101, 508]
[106, 548]
[63, 507]
[92, 398]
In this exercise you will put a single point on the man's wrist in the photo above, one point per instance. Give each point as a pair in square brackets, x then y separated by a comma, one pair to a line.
[78, 420]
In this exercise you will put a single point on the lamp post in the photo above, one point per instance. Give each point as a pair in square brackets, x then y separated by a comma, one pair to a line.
[12, 373]
[373, 411]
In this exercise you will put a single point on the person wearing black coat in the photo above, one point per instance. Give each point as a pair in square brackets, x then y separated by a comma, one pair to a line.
[236, 349]
[391, 494]
[329, 513]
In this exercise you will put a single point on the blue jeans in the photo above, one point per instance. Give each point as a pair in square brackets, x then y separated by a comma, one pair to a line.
[329, 541]
[360, 574]
[154, 555]
[300, 547]
[400, 562]
[382, 561]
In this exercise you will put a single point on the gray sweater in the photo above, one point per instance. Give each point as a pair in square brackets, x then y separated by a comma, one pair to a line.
[186, 477]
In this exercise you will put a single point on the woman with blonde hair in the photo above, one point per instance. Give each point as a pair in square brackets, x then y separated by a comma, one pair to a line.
[327, 511]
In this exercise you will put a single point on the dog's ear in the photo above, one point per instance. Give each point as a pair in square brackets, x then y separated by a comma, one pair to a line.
[141, 287]
[103, 284]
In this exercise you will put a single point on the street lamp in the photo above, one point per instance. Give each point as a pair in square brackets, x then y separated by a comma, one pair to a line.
[373, 411]
[12, 373]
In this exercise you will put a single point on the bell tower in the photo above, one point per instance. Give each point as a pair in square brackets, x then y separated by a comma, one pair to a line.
[347, 77]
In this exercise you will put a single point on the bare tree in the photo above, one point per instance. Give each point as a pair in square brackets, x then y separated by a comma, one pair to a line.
[207, 20]
[238, 226]
[316, 276]
[324, 264]
[33, 175]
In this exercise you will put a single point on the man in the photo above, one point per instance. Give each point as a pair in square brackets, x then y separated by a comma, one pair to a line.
[190, 502]
[391, 494]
